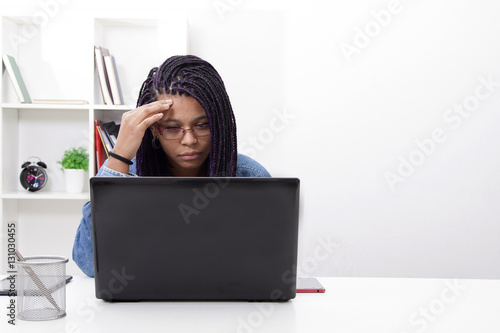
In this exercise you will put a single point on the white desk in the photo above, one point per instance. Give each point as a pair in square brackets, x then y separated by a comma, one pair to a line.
[349, 305]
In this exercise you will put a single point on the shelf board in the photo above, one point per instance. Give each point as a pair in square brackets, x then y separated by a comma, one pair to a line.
[28, 106]
[113, 107]
[21, 195]
[119, 21]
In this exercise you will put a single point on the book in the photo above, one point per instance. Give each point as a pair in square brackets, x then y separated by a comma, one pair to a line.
[60, 101]
[111, 130]
[118, 81]
[101, 73]
[100, 154]
[16, 78]
[105, 140]
[114, 82]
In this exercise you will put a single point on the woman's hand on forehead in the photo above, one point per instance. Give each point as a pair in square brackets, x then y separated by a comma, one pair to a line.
[135, 122]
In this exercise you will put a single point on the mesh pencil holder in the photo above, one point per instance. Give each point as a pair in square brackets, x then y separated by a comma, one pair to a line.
[41, 288]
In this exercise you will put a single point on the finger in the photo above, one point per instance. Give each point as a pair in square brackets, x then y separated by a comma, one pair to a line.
[158, 107]
[138, 115]
[149, 121]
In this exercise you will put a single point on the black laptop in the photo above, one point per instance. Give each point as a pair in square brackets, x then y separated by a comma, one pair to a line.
[172, 238]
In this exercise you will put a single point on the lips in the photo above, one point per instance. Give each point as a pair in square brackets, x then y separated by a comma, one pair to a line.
[190, 156]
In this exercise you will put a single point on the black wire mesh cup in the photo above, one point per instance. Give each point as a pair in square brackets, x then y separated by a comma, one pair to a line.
[41, 288]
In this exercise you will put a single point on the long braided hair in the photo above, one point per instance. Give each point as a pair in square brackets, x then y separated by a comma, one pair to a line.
[195, 77]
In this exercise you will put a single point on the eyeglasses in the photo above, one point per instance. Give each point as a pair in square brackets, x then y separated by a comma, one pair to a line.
[176, 132]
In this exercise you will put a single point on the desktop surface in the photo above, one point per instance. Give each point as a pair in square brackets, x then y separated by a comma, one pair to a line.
[349, 305]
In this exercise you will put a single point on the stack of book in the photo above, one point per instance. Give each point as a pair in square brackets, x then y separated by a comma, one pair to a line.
[105, 140]
[108, 76]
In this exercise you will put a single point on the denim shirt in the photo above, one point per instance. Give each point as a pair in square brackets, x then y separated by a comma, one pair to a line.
[83, 253]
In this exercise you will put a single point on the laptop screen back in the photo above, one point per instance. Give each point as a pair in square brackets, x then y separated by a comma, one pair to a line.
[173, 238]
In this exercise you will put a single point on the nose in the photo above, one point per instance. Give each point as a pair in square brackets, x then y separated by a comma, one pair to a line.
[188, 139]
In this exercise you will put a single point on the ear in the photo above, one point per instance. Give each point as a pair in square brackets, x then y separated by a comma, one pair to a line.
[154, 130]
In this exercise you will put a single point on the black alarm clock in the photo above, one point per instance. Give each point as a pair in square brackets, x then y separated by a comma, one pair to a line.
[33, 176]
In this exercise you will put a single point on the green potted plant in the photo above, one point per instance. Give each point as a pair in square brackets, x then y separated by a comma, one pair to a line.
[74, 164]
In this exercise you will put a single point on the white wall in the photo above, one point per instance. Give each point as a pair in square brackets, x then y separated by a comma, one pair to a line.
[341, 123]
[359, 117]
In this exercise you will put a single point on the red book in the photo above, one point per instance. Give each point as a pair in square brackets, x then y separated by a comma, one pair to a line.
[99, 148]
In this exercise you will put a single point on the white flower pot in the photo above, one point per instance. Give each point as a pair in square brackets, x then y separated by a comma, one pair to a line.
[75, 178]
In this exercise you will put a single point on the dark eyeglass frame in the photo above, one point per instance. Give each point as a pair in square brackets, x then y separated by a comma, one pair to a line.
[193, 130]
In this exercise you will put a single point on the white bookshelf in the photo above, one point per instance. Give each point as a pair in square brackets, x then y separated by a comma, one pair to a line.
[20, 106]
[53, 195]
[57, 62]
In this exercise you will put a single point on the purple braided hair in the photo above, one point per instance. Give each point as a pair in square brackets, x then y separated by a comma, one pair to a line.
[195, 77]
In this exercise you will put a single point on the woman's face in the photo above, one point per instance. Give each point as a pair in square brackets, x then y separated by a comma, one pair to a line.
[187, 154]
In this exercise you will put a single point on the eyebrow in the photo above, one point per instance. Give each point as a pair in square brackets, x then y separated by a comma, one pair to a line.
[178, 121]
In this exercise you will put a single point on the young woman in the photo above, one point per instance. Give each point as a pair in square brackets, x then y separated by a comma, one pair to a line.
[183, 126]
